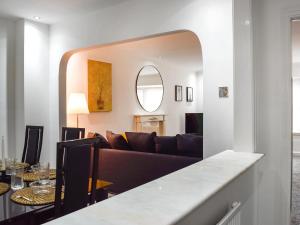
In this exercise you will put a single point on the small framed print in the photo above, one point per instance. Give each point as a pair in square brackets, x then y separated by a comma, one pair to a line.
[178, 93]
[189, 94]
[223, 92]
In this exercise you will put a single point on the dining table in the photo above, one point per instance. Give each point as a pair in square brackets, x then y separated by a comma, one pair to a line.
[25, 211]
[13, 213]
[18, 214]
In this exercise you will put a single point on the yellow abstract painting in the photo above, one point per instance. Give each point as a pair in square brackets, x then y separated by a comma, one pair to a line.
[99, 86]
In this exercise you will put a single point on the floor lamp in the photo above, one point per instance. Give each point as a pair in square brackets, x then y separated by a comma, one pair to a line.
[77, 105]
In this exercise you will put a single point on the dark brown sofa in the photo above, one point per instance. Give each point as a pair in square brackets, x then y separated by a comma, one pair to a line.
[127, 169]
[143, 157]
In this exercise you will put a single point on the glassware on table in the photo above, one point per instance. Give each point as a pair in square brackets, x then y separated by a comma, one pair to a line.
[39, 188]
[35, 168]
[10, 164]
[44, 173]
[2, 165]
[17, 182]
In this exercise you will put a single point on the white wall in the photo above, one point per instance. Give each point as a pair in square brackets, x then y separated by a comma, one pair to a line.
[19, 89]
[7, 54]
[273, 106]
[127, 59]
[296, 143]
[36, 80]
[296, 48]
[24, 82]
[199, 91]
[296, 69]
[296, 114]
[243, 78]
[296, 105]
[3, 85]
[211, 21]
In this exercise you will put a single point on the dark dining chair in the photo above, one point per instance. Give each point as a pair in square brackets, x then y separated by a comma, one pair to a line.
[72, 133]
[33, 144]
[77, 172]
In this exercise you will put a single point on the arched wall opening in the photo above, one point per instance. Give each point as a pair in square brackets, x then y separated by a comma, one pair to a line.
[212, 23]
[178, 56]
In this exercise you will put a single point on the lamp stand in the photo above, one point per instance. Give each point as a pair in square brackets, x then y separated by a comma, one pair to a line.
[77, 120]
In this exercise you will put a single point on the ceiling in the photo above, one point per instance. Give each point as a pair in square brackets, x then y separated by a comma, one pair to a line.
[52, 11]
[180, 49]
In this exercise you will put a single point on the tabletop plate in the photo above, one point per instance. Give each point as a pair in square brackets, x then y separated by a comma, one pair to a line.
[22, 197]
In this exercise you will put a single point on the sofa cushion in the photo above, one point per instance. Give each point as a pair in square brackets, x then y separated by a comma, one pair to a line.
[117, 141]
[102, 141]
[190, 145]
[142, 142]
[166, 145]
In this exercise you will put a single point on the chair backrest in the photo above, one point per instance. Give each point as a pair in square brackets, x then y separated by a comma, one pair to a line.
[73, 171]
[33, 144]
[72, 133]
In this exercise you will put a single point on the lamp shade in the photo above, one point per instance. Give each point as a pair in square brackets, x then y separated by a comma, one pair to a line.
[77, 104]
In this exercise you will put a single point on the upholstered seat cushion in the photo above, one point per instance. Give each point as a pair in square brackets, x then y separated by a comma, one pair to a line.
[190, 145]
[166, 145]
[117, 141]
[142, 142]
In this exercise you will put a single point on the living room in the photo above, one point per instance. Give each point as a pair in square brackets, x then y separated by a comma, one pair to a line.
[114, 81]
[40, 91]
[177, 58]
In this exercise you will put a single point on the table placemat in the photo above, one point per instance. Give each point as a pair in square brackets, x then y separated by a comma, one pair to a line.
[27, 197]
[4, 187]
[18, 166]
[31, 176]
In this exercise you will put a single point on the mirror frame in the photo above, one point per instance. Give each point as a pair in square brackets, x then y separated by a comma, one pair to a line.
[136, 88]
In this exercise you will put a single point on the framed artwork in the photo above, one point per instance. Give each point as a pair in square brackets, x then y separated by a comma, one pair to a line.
[223, 92]
[99, 86]
[178, 93]
[189, 94]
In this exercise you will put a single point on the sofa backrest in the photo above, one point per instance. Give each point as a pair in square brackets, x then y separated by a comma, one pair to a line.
[190, 145]
[129, 169]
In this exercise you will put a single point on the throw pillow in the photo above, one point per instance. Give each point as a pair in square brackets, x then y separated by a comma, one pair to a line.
[102, 140]
[142, 142]
[166, 144]
[190, 145]
[117, 141]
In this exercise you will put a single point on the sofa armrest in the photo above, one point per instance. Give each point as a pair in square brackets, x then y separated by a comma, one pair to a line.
[129, 169]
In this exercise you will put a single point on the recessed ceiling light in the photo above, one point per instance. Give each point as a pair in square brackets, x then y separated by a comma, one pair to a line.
[36, 17]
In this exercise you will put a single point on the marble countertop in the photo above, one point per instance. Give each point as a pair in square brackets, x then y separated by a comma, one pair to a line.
[167, 199]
